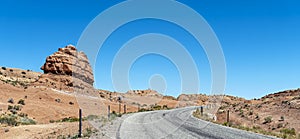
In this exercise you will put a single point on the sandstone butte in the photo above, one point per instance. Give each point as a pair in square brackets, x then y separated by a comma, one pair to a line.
[68, 70]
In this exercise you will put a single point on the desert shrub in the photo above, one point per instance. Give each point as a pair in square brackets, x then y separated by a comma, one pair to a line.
[11, 70]
[10, 107]
[284, 102]
[157, 107]
[88, 132]
[13, 111]
[10, 120]
[26, 121]
[144, 105]
[143, 110]
[227, 124]
[280, 125]
[241, 112]
[134, 103]
[113, 115]
[23, 115]
[268, 120]
[11, 100]
[258, 105]
[165, 106]
[197, 111]
[21, 101]
[256, 127]
[70, 119]
[281, 118]
[4, 68]
[17, 107]
[257, 117]
[23, 72]
[251, 112]
[288, 131]
[91, 117]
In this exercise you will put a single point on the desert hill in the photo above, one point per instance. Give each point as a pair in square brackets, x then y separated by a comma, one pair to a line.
[274, 113]
[67, 85]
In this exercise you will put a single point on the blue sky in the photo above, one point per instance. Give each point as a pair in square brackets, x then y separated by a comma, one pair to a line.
[260, 40]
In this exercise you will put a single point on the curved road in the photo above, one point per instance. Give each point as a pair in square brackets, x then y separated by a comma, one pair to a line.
[177, 124]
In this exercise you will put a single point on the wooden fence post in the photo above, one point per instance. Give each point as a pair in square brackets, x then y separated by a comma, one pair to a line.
[119, 108]
[124, 109]
[108, 110]
[80, 123]
[228, 116]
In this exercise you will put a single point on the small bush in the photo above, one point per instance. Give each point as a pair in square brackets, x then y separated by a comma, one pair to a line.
[13, 111]
[11, 100]
[227, 124]
[143, 110]
[156, 107]
[251, 112]
[10, 120]
[27, 121]
[91, 117]
[10, 107]
[4, 68]
[23, 72]
[268, 120]
[21, 101]
[281, 118]
[288, 131]
[88, 132]
[68, 119]
[17, 107]
[23, 115]
[144, 105]
[280, 125]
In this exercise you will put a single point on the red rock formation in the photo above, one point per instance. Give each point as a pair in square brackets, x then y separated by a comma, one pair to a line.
[68, 61]
[69, 70]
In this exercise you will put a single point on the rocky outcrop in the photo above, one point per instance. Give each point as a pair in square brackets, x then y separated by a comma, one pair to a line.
[67, 69]
[68, 61]
[192, 97]
[147, 92]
